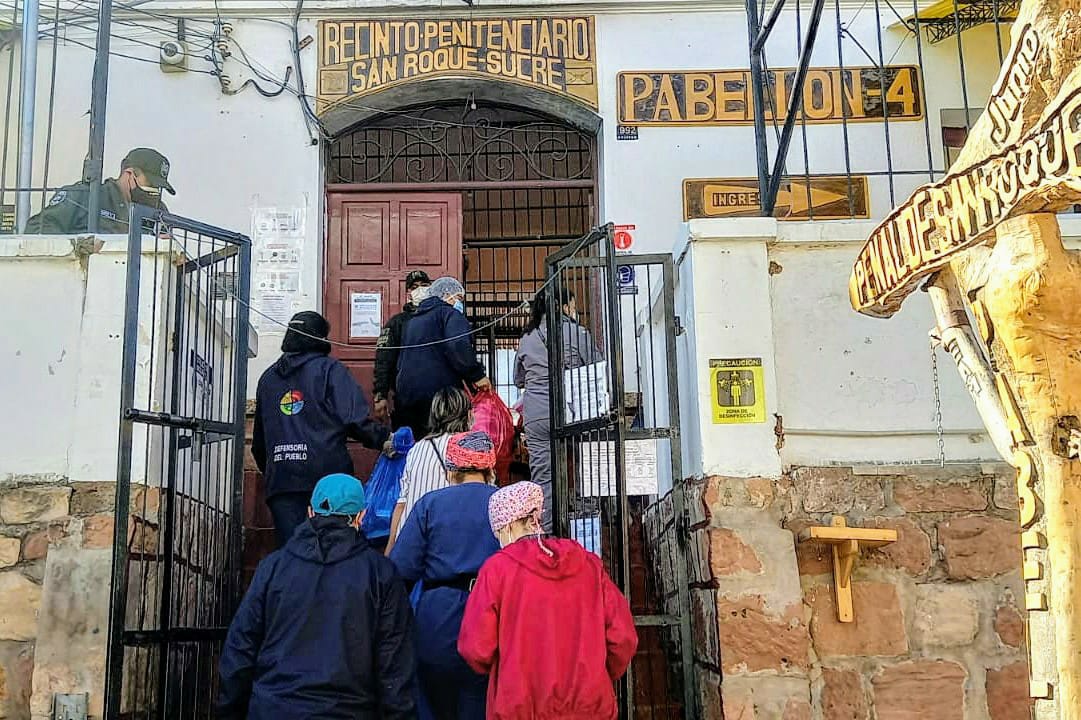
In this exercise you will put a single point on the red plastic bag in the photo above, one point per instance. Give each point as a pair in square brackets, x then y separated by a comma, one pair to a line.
[491, 415]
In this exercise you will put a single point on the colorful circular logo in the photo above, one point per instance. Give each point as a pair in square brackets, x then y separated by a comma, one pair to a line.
[292, 402]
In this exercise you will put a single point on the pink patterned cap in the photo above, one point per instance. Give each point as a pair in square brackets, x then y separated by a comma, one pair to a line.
[514, 502]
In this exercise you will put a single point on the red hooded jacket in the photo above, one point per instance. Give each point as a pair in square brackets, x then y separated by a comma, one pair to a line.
[553, 632]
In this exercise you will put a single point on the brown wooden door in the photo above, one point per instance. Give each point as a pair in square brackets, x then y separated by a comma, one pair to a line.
[373, 240]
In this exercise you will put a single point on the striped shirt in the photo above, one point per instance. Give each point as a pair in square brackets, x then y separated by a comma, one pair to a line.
[424, 472]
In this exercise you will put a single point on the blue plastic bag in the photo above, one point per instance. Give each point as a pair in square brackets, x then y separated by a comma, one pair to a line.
[384, 487]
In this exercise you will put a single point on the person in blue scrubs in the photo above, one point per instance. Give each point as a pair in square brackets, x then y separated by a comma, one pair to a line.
[444, 542]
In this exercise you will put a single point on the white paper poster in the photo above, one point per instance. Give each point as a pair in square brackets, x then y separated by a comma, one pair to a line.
[585, 392]
[277, 308]
[598, 468]
[365, 314]
[277, 251]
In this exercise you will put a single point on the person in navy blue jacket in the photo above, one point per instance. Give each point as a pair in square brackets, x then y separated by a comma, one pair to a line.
[325, 630]
[306, 406]
[438, 353]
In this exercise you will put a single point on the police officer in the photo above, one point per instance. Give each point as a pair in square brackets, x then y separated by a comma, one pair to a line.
[144, 173]
[386, 352]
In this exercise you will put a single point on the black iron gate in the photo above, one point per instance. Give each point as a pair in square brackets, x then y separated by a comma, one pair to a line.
[177, 540]
[616, 453]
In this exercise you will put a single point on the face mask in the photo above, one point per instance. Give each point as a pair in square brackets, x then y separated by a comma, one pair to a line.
[419, 294]
[150, 197]
[459, 306]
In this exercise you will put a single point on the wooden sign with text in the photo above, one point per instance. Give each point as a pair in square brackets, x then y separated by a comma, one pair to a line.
[1038, 171]
[825, 197]
[360, 57]
[723, 97]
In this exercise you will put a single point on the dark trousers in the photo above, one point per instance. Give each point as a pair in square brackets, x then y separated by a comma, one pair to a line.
[415, 417]
[289, 511]
[453, 695]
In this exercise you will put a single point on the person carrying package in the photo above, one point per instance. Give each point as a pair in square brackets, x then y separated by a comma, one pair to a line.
[307, 405]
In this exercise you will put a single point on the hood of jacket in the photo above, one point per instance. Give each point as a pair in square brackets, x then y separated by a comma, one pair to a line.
[326, 540]
[289, 363]
[430, 305]
[568, 558]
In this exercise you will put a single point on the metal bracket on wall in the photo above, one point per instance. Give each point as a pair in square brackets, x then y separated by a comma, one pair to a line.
[70, 706]
[846, 543]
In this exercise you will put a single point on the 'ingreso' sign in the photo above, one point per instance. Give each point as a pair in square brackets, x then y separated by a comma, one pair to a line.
[360, 57]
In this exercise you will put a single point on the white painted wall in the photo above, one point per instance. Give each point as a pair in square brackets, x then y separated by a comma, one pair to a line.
[848, 389]
[844, 378]
[40, 357]
[729, 315]
[62, 357]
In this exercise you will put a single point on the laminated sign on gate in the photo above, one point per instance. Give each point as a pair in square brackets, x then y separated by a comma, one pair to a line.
[737, 390]
[597, 468]
[362, 57]
[585, 392]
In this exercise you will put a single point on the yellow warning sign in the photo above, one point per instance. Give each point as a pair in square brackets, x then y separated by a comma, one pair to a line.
[821, 197]
[737, 390]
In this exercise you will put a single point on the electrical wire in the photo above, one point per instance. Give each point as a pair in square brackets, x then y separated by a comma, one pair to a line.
[522, 307]
[266, 75]
[133, 57]
[311, 119]
[75, 23]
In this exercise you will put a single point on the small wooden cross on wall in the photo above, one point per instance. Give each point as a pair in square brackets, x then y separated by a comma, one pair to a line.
[846, 543]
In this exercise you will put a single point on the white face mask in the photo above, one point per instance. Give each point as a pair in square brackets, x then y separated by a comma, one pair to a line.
[419, 294]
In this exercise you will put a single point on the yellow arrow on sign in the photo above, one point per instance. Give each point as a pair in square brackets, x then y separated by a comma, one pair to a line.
[794, 194]
[737, 197]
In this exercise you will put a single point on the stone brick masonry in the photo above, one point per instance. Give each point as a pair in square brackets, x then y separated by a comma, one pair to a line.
[937, 632]
[55, 553]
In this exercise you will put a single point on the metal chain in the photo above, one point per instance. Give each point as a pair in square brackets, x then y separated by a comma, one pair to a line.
[938, 402]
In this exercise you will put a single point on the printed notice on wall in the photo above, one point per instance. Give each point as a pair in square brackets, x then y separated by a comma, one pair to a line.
[277, 254]
[736, 388]
[598, 468]
[276, 309]
[365, 314]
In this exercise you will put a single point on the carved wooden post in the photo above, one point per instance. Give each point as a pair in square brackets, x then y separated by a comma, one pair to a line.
[989, 231]
[1030, 312]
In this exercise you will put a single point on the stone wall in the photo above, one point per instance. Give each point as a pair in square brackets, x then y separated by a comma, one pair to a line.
[56, 541]
[937, 631]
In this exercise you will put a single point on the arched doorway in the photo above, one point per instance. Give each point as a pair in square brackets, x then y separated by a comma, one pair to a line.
[467, 187]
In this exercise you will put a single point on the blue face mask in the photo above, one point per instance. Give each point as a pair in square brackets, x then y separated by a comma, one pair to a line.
[459, 306]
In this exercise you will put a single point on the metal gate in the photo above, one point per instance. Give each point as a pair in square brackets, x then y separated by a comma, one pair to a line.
[177, 539]
[616, 453]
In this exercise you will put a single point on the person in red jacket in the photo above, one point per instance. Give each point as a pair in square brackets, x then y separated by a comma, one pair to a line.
[544, 621]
